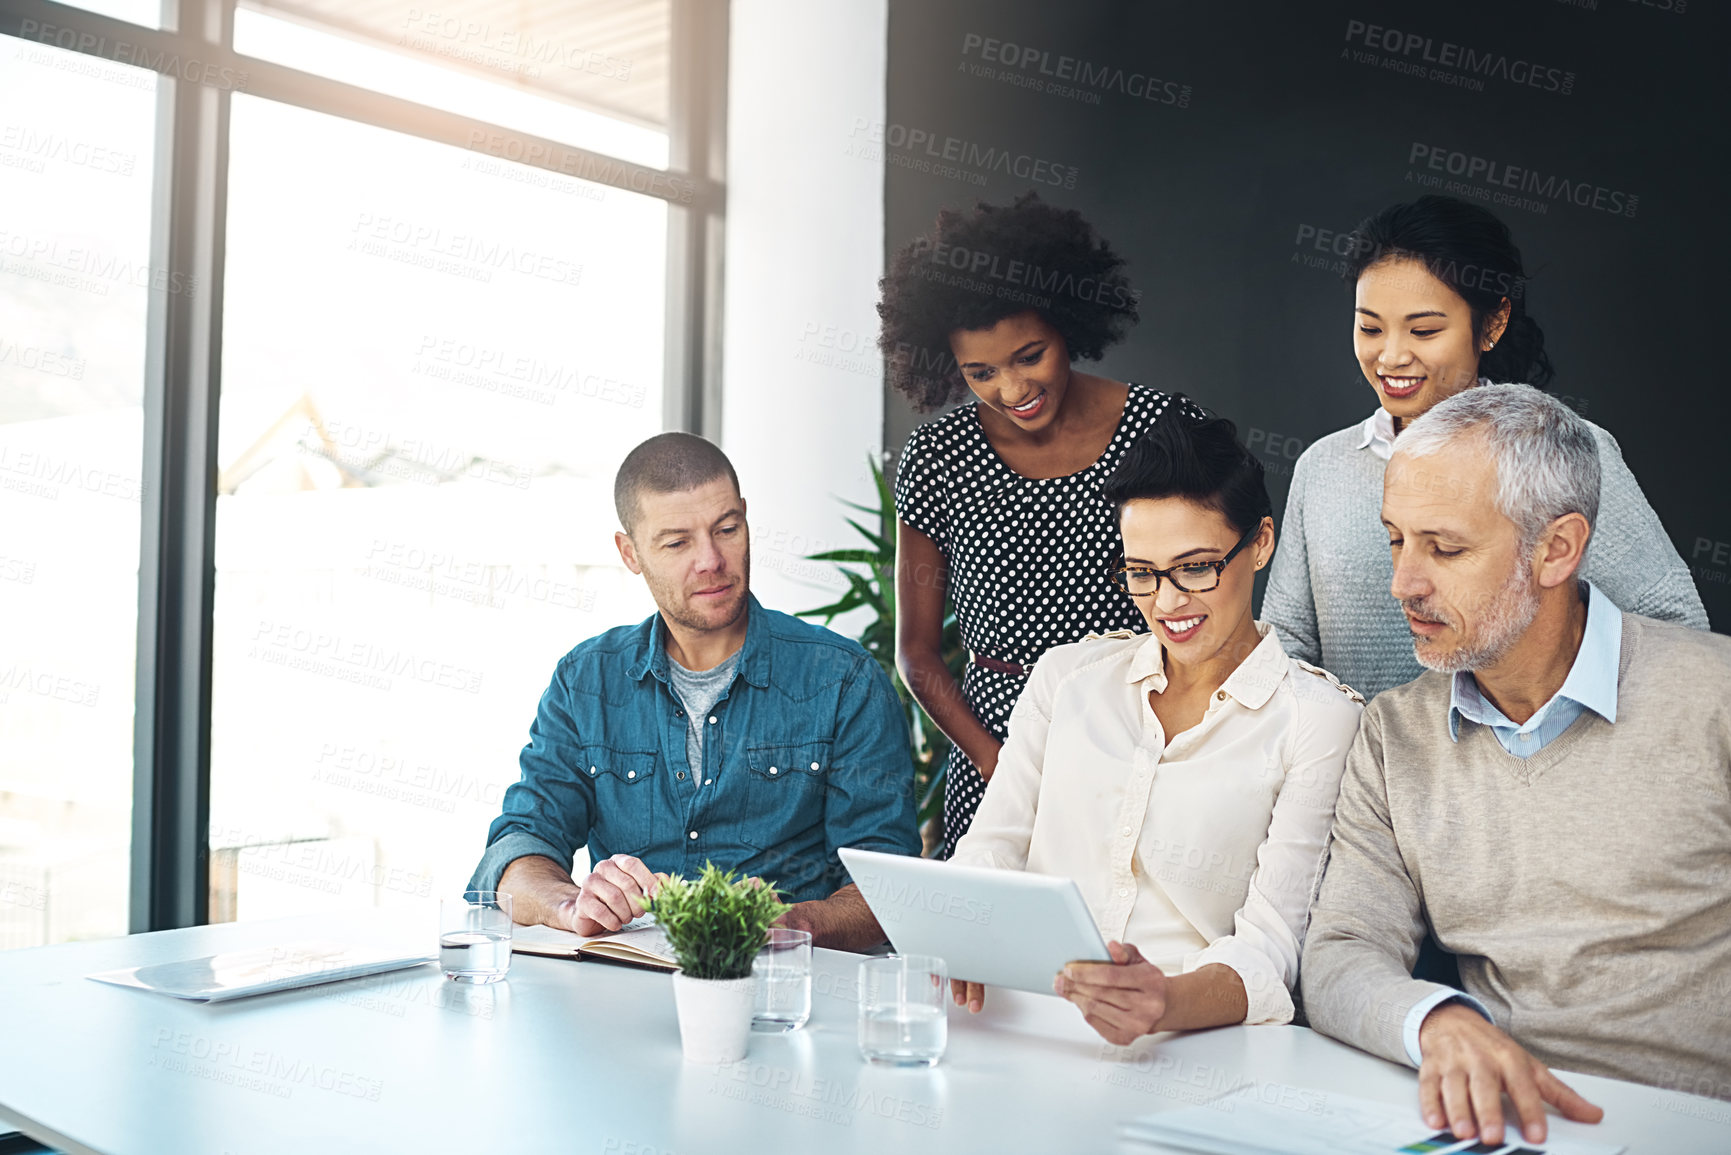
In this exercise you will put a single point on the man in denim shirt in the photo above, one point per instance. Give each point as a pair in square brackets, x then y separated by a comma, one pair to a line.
[717, 730]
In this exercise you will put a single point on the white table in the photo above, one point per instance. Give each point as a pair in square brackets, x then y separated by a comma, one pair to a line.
[584, 1057]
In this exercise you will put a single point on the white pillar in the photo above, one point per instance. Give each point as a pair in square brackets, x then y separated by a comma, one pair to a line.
[802, 384]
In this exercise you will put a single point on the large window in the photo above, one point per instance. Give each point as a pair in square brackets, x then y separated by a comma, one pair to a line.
[75, 282]
[586, 72]
[432, 365]
[322, 329]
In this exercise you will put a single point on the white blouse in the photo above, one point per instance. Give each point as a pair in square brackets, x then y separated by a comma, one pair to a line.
[1202, 849]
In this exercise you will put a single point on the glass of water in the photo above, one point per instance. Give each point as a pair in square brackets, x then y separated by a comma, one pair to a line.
[782, 981]
[475, 936]
[902, 1007]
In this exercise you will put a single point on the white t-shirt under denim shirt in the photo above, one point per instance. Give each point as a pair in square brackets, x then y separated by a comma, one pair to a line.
[1197, 848]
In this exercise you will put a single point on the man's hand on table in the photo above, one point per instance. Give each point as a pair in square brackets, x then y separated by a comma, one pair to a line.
[1469, 1065]
[842, 921]
[806, 916]
[1123, 999]
[609, 897]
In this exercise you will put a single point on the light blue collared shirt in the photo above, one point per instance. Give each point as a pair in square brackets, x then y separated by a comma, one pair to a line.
[1591, 685]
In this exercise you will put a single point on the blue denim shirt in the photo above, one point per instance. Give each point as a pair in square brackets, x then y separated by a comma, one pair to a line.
[806, 752]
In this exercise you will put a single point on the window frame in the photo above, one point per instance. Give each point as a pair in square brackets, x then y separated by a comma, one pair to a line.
[170, 878]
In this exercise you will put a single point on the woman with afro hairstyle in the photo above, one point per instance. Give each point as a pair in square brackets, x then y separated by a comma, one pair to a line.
[999, 499]
[1440, 305]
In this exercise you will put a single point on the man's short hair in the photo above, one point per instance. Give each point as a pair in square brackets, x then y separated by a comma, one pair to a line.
[1546, 457]
[667, 463]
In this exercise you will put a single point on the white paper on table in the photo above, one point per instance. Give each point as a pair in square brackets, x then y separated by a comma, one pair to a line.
[1252, 1121]
[235, 974]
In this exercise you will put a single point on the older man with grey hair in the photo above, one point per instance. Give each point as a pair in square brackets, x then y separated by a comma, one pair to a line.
[1552, 800]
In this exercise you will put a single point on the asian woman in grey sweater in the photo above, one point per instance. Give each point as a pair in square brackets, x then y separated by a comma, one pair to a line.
[1440, 306]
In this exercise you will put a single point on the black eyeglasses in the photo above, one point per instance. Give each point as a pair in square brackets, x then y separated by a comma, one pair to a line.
[1193, 577]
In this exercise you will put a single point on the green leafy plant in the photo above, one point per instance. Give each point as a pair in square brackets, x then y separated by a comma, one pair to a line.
[871, 578]
[716, 923]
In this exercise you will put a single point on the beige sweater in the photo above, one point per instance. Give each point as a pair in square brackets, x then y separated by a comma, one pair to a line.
[1586, 890]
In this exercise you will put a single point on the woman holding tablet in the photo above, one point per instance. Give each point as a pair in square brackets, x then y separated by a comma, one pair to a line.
[1184, 777]
[1439, 307]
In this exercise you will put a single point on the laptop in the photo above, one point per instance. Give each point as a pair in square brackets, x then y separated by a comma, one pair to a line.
[1003, 928]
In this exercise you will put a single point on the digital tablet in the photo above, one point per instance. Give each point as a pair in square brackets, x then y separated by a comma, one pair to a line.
[1004, 928]
[235, 974]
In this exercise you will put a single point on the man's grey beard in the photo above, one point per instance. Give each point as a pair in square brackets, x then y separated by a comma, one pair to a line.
[1511, 611]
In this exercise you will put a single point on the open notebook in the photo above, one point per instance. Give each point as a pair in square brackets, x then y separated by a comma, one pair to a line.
[639, 943]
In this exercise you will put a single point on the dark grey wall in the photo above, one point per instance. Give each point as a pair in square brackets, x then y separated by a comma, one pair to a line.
[1272, 125]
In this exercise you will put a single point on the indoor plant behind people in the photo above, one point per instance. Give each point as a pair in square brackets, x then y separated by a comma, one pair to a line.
[715, 925]
[873, 595]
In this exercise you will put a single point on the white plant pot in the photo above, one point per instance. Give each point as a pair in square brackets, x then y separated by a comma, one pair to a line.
[714, 1017]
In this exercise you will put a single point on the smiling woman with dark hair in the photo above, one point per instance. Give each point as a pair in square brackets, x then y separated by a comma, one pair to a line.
[999, 499]
[980, 267]
[1185, 778]
[1440, 306]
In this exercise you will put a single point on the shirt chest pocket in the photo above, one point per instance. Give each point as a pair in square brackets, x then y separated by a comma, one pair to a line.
[785, 790]
[626, 799]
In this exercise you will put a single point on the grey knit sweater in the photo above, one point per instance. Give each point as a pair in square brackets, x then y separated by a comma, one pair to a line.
[1328, 587]
[1583, 889]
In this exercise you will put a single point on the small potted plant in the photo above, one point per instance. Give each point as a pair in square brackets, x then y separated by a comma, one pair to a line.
[715, 924]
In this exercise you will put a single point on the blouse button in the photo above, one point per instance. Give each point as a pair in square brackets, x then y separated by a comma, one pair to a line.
[773, 770]
[631, 774]
[814, 765]
[591, 769]
[1220, 695]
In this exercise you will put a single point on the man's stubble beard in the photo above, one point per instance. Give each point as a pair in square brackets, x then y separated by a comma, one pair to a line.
[676, 606]
[1511, 611]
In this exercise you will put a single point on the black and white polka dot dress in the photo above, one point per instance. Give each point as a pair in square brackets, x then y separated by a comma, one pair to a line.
[1028, 561]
